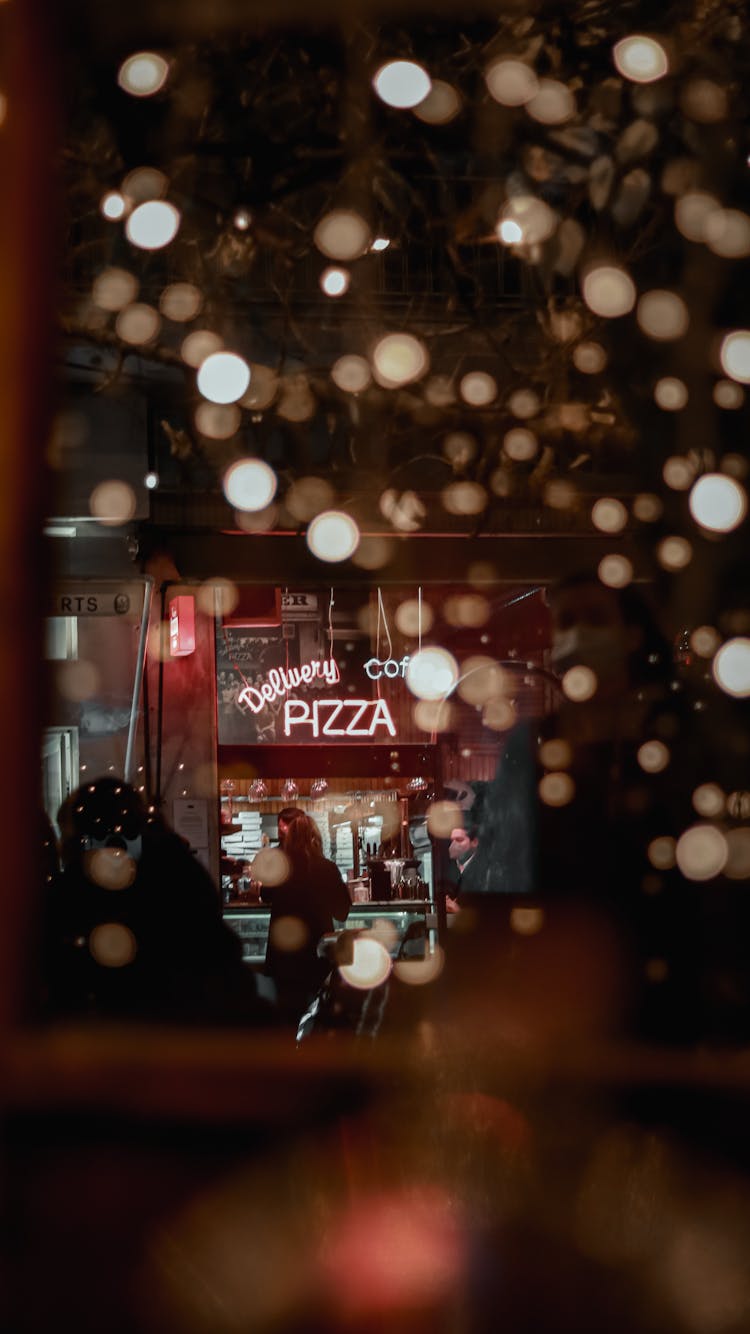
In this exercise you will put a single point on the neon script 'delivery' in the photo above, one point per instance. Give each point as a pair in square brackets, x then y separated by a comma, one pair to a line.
[279, 681]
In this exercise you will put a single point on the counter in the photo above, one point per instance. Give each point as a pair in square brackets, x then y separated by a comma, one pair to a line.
[251, 923]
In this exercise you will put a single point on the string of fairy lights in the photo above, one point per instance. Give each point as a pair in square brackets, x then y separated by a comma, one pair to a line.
[588, 149]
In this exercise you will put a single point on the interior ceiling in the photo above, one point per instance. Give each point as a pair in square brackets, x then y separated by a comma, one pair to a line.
[281, 122]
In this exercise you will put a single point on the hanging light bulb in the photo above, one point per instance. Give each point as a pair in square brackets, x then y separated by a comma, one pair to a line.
[289, 790]
[257, 790]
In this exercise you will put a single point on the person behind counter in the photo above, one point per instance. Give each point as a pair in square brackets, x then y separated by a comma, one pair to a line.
[303, 908]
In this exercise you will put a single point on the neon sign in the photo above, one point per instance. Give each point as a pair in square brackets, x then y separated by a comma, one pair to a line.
[280, 681]
[377, 667]
[361, 717]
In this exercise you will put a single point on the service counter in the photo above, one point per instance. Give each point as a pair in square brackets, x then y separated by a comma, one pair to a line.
[250, 923]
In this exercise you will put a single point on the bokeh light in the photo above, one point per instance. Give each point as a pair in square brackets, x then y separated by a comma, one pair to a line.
[678, 473]
[731, 667]
[402, 84]
[735, 355]
[112, 206]
[469, 610]
[608, 290]
[704, 101]
[334, 281]
[526, 220]
[343, 235]
[478, 388]
[443, 817]
[112, 945]
[432, 673]
[557, 789]
[653, 756]
[512, 83]
[333, 536]
[419, 972]
[647, 508]
[414, 617]
[609, 515]
[709, 800]
[499, 715]
[556, 753]
[701, 852]
[152, 225]
[249, 484]
[441, 105]
[223, 377]
[114, 288]
[199, 345]
[615, 571]
[264, 386]
[111, 868]
[217, 597]
[671, 393]
[662, 315]
[727, 233]
[589, 358]
[288, 933]
[218, 421]
[692, 213]
[524, 403]
[661, 852]
[371, 965]
[728, 395]
[718, 503]
[112, 502]
[138, 324]
[552, 104]
[308, 496]
[520, 444]
[399, 358]
[433, 715]
[351, 373]
[270, 866]
[482, 679]
[143, 74]
[460, 448]
[674, 553]
[640, 59]
[180, 302]
[705, 640]
[464, 498]
[579, 684]
[144, 183]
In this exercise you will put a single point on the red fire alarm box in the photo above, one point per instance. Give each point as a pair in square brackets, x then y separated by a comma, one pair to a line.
[181, 626]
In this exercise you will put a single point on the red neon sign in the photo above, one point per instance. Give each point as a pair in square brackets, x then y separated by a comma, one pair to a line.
[181, 626]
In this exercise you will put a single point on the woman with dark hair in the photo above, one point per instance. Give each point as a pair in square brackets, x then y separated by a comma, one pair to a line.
[304, 907]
